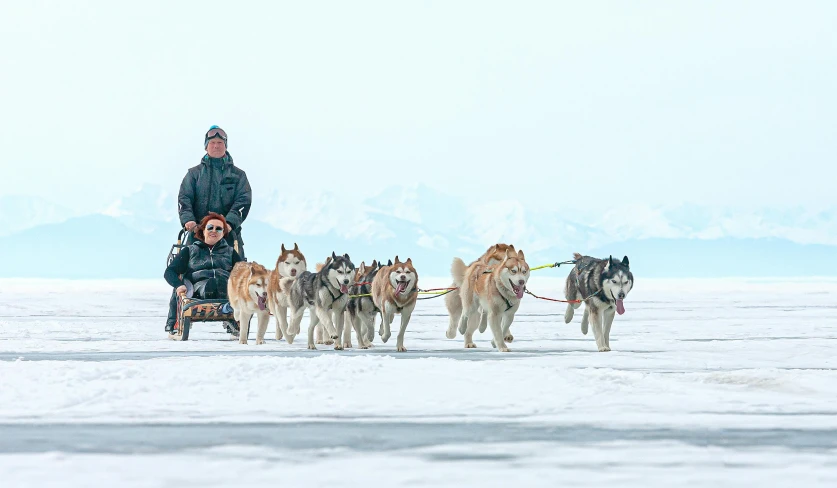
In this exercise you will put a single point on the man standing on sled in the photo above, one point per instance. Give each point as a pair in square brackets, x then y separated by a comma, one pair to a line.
[214, 185]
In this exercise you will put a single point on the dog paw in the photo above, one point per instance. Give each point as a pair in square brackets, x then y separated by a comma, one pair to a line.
[312, 347]
[259, 342]
[320, 341]
[504, 349]
[290, 339]
[401, 349]
[242, 341]
[470, 345]
[347, 345]
[329, 342]
[509, 338]
[604, 349]
[451, 334]
[338, 347]
[386, 337]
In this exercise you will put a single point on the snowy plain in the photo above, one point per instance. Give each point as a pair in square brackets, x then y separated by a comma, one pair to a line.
[710, 383]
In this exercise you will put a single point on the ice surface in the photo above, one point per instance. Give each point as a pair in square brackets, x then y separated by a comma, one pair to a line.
[710, 383]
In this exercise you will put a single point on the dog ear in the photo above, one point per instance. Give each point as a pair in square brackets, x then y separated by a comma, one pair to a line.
[283, 248]
[362, 268]
[389, 262]
[409, 261]
[333, 255]
[347, 257]
[625, 262]
[296, 248]
[520, 255]
[396, 260]
[374, 264]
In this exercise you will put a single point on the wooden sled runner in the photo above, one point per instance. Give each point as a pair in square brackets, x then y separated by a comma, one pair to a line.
[195, 310]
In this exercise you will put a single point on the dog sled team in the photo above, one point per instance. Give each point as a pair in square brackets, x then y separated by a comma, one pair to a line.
[342, 298]
[215, 199]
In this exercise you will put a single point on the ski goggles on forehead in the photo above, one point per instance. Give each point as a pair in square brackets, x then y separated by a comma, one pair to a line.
[217, 132]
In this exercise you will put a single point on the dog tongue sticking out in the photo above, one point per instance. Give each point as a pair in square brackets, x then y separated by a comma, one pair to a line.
[262, 302]
[620, 307]
[400, 287]
[344, 289]
[518, 291]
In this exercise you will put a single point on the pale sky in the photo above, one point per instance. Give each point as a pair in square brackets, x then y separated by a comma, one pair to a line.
[580, 104]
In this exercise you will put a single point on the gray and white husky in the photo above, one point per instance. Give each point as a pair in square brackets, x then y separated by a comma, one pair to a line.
[325, 294]
[602, 284]
[361, 311]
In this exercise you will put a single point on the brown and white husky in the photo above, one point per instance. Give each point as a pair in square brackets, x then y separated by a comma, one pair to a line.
[394, 290]
[453, 302]
[496, 289]
[290, 264]
[247, 292]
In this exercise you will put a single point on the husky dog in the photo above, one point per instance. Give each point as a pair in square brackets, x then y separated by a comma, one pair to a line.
[497, 291]
[247, 291]
[601, 284]
[291, 264]
[394, 291]
[453, 302]
[325, 294]
[361, 310]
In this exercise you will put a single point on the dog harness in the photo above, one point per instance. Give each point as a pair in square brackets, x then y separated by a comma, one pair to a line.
[363, 291]
[399, 309]
[582, 265]
[333, 298]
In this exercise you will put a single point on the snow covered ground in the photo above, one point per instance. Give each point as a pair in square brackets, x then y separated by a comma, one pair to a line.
[710, 383]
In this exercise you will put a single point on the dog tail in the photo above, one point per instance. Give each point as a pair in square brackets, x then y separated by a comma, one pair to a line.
[319, 267]
[457, 271]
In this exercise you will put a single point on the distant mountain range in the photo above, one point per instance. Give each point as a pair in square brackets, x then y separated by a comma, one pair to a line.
[130, 238]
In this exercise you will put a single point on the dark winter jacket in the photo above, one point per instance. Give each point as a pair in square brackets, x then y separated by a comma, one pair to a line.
[215, 185]
[197, 262]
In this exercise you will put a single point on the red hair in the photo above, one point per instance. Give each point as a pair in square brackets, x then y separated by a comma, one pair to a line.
[210, 216]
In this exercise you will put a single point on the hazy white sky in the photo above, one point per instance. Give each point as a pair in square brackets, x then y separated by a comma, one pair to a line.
[590, 104]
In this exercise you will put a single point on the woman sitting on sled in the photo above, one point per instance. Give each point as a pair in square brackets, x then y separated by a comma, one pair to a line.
[206, 263]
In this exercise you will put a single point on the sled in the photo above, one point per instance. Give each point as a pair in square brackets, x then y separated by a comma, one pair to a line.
[196, 310]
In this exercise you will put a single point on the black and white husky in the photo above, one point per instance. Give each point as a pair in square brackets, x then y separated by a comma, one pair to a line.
[602, 284]
[325, 294]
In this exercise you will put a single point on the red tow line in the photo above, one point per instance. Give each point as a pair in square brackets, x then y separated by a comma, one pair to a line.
[551, 299]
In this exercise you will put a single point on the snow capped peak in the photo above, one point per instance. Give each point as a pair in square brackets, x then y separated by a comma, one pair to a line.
[151, 202]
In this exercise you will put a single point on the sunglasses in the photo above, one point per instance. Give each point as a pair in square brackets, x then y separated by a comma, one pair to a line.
[211, 227]
[217, 132]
